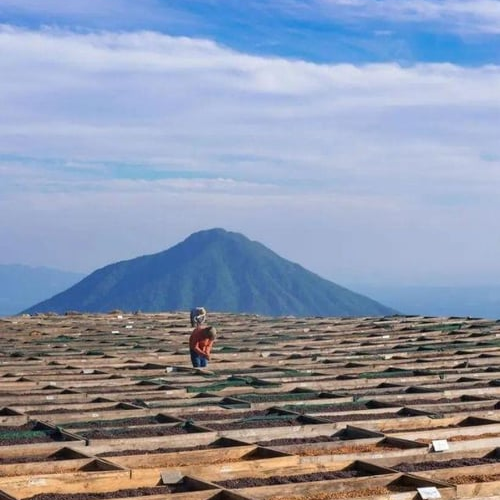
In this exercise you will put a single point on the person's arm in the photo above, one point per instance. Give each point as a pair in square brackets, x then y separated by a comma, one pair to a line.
[198, 350]
[208, 347]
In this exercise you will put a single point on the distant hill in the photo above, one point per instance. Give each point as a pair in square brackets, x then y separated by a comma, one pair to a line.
[22, 286]
[477, 301]
[220, 270]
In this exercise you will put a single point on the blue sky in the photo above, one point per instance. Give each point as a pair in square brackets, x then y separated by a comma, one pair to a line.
[356, 137]
[357, 31]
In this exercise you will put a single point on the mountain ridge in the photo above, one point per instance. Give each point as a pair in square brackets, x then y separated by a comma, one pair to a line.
[22, 285]
[221, 270]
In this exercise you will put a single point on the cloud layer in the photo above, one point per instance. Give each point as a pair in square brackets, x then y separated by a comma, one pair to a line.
[464, 32]
[172, 134]
[467, 16]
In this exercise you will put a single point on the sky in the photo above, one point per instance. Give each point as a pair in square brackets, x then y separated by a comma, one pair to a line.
[359, 138]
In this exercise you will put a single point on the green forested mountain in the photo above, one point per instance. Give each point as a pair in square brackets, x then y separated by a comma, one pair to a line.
[221, 270]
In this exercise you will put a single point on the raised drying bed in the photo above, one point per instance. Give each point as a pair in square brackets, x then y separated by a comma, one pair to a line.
[386, 487]
[269, 377]
[62, 460]
[17, 440]
[104, 486]
[245, 459]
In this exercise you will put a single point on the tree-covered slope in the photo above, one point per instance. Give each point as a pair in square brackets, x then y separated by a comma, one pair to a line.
[220, 270]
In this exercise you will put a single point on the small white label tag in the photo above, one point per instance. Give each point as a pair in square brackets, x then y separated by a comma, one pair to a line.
[115, 331]
[128, 326]
[386, 336]
[49, 398]
[428, 493]
[88, 371]
[171, 477]
[440, 445]
[37, 482]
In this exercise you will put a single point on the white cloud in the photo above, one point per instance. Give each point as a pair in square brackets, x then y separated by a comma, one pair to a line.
[213, 137]
[467, 16]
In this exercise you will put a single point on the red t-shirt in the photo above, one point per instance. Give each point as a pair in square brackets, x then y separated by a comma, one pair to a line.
[199, 343]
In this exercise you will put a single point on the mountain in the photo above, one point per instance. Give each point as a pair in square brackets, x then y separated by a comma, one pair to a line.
[480, 301]
[221, 270]
[21, 286]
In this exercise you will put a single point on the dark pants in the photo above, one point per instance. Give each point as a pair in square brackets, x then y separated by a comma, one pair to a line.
[198, 360]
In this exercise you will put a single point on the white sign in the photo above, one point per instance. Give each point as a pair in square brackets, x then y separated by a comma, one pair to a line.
[37, 482]
[440, 445]
[428, 493]
[171, 477]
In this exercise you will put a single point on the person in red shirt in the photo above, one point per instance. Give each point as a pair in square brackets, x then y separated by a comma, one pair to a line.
[200, 345]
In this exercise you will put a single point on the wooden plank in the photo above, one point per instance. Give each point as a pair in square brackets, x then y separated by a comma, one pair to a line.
[392, 483]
